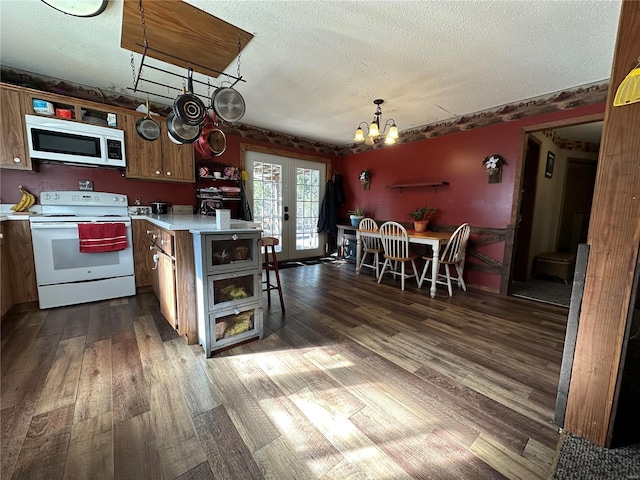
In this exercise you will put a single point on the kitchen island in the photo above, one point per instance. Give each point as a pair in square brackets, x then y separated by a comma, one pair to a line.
[164, 259]
[228, 286]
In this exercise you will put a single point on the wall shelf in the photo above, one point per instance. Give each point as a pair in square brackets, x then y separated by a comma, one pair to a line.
[402, 186]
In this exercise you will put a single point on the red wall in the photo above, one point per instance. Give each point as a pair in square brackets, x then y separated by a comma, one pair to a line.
[457, 159]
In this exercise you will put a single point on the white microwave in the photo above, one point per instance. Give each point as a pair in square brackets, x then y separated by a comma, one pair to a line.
[74, 142]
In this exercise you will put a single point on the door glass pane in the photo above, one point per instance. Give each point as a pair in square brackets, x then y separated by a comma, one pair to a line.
[307, 206]
[267, 198]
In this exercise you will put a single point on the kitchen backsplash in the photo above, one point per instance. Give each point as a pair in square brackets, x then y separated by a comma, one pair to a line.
[52, 177]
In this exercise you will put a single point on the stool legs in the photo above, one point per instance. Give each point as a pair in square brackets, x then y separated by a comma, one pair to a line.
[270, 265]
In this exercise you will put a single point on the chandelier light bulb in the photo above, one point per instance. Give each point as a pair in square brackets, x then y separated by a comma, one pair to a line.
[389, 140]
[373, 129]
[359, 135]
[369, 140]
[393, 132]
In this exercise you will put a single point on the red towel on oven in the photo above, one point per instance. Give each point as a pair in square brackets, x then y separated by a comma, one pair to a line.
[102, 237]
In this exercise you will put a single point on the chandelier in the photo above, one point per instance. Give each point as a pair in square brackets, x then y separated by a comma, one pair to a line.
[375, 134]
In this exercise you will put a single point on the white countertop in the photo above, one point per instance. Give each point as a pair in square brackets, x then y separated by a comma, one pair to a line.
[195, 223]
[7, 214]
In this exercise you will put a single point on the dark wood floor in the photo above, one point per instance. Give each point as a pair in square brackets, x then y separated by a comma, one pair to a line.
[358, 380]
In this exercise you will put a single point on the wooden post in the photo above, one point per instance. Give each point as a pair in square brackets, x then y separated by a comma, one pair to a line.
[614, 238]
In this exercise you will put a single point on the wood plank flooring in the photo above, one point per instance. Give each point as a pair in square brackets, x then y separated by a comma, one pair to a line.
[358, 380]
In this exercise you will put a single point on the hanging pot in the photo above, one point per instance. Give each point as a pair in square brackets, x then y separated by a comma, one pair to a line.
[198, 148]
[189, 109]
[212, 141]
[180, 132]
[228, 104]
[147, 128]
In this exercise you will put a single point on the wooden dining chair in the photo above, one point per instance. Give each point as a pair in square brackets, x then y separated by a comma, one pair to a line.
[371, 245]
[395, 243]
[453, 254]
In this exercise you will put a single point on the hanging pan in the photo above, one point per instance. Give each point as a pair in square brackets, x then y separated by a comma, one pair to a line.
[212, 141]
[188, 108]
[147, 127]
[228, 104]
[180, 132]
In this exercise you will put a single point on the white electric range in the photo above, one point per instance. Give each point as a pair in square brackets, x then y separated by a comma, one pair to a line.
[65, 276]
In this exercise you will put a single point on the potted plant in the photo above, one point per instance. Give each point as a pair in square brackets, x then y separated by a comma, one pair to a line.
[421, 217]
[356, 215]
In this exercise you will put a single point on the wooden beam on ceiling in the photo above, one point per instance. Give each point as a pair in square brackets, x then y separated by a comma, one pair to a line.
[181, 34]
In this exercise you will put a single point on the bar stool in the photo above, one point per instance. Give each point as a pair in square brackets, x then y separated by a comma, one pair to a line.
[269, 244]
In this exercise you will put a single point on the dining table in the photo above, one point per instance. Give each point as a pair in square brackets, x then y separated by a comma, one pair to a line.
[433, 239]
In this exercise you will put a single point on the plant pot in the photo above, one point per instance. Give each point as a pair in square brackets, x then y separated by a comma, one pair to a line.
[420, 226]
[355, 220]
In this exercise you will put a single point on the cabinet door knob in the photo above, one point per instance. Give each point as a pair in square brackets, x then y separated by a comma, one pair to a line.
[16, 160]
[148, 232]
[158, 172]
[168, 174]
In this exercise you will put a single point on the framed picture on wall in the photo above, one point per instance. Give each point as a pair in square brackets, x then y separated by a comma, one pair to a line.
[551, 158]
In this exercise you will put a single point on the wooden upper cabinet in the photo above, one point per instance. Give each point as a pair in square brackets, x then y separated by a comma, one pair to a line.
[144, 158]
[13, 146]
[178, 160]
[158, 160]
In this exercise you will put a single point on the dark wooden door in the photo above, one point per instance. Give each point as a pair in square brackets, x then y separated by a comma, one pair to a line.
[576, 205]
[527, 205]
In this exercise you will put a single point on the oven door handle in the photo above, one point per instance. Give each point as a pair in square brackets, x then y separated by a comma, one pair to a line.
[67, 225]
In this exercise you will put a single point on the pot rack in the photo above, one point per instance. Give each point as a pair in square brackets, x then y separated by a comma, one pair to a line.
[138, 77]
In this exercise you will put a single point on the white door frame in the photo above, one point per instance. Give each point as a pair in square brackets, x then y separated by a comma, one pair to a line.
[244, 148]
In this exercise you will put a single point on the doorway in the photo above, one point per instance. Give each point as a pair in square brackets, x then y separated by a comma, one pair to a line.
[554, 206]
[285, 195]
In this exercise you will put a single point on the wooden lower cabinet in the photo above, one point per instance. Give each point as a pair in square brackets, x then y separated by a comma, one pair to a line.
[166, 286]
[6, 285]
[22, 268]
[171, 277]
[142, 256]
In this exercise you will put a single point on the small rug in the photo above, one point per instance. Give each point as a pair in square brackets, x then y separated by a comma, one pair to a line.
[554, 292]
[579, 459]
[290, 264]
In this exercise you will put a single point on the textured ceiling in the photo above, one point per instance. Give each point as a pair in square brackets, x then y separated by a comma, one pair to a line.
[314, 68]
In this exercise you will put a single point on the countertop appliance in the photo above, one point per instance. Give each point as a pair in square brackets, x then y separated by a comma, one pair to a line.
[75, 143]
[159, 208]
[64, 275]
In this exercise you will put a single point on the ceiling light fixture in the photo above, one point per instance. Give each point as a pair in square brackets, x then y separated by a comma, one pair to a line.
[374, 132]
[78, 8]
[629, 90]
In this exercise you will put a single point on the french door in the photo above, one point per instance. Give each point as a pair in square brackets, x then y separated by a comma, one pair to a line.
[285, 194]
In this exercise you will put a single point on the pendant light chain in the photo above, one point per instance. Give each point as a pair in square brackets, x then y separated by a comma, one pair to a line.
[144, 40]
[144, 24]
[239, 53]
[133, 70]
